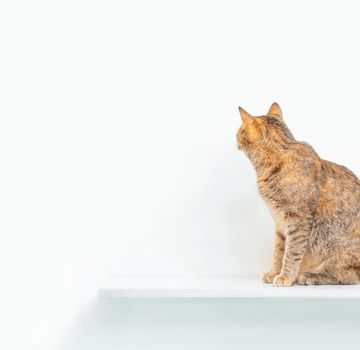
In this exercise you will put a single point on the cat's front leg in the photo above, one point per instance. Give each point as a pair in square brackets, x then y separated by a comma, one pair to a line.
[277, 259]
[297, 236]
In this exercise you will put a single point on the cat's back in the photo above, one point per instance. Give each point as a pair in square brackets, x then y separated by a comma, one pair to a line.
[339, 185]
[311, 176]
[338, 172]
[299, 178]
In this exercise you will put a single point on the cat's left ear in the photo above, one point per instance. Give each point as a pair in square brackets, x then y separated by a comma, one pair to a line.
[245, 116]
[275, 111]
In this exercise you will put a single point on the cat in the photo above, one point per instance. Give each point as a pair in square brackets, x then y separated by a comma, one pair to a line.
[315, 204]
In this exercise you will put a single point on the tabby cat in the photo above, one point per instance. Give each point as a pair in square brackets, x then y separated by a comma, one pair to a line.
[315, 204]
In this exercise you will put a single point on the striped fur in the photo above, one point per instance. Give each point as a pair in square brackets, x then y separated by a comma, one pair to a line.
[315, 205]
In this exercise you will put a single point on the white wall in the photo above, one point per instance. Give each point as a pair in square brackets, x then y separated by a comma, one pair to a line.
[117, 139]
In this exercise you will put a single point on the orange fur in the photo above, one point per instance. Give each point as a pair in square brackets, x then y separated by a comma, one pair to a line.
[315, 204]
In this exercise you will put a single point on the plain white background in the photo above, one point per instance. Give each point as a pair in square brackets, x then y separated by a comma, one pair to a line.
[117, 140]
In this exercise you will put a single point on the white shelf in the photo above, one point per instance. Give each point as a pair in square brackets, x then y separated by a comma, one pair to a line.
[216, 287]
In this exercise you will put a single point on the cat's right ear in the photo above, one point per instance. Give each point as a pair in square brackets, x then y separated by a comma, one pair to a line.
[275, 111]
[245, 116]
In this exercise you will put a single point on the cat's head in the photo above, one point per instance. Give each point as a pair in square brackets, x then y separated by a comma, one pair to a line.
[269, 130]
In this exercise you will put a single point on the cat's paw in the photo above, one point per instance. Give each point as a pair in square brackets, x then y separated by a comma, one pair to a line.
[282, 281]
[269, 277]
[307, 279]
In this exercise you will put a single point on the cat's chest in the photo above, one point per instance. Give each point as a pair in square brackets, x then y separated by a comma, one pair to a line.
[271, 191]
[276, 185]
[276, 201]
[279, 216]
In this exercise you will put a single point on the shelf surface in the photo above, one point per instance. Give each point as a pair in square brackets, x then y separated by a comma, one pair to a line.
[217, 287]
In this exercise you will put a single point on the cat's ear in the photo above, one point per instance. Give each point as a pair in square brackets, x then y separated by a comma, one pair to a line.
[245, 116]
[275, 111]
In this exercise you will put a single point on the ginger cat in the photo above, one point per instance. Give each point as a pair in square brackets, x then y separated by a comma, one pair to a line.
[315, 204]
